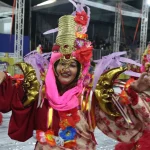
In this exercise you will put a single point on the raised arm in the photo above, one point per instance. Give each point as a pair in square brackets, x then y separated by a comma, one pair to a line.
[21, 100]
[113, 123]
[8, 92]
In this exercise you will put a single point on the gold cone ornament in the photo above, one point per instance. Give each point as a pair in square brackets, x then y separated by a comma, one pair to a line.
[66, 34]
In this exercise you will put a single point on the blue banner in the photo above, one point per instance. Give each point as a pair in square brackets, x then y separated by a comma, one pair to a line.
[7, 44]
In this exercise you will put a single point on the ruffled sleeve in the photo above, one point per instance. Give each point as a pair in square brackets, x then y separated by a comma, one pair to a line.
[22, 120]
[117, 128]
[142, 108]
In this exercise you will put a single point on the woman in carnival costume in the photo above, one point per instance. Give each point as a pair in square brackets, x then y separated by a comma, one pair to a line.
[65, 106]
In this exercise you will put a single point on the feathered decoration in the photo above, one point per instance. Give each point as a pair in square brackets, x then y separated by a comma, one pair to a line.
[38, 62]
[51, 31]
[47, 56]
[112, 61]
[79, 8]
[40, 65]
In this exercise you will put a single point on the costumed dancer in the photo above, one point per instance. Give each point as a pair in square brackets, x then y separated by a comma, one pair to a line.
[58, 121]
[64, 108]
[143, 142]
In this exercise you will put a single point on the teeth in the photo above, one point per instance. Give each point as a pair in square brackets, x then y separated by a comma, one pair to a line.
[65, 75]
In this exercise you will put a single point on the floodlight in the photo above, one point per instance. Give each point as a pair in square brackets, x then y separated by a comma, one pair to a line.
[148, 2]
[46, 2]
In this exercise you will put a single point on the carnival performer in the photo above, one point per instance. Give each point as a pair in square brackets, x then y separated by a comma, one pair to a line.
[143, 142]
[66, 106]
[58, 122]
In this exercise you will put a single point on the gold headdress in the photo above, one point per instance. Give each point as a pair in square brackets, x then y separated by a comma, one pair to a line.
[71, 40]
[66, 34]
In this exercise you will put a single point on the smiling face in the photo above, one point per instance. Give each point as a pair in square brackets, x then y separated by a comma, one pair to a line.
[66, 71]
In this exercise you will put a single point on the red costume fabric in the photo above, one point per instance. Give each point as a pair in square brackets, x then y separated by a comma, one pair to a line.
[23, 120]
[142, 144]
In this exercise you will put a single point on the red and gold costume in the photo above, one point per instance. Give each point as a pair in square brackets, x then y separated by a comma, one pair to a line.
[68, 121]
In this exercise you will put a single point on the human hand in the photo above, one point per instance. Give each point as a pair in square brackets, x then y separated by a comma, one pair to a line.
[2, 77]
[142, 84]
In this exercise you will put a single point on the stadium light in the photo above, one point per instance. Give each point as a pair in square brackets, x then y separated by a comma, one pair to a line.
[46, 3]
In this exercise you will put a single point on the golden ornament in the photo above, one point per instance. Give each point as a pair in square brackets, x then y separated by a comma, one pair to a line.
[30, 84]
[104, 91]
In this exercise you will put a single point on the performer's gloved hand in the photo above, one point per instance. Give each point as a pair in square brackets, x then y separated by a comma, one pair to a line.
[2, 76]
[138, 86]
[142, 84]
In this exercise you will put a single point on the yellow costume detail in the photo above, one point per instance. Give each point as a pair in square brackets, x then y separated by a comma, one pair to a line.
[31, 84]
[104, 91]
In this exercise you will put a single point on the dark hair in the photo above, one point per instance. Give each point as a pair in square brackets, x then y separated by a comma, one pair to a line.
[73, 83]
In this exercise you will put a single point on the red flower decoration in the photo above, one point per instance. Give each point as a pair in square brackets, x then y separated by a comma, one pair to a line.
[145, 59]
[55, 48]
[71, 116]
[118, 132]
[64, 123]
[147, 99]
[18, 79]
[124, 98]
[45, 137]
[84, 54]
[81, 18]
[70, 144]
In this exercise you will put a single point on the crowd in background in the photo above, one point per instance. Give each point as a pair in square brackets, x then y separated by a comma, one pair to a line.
[127, 44]
[99, 43]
